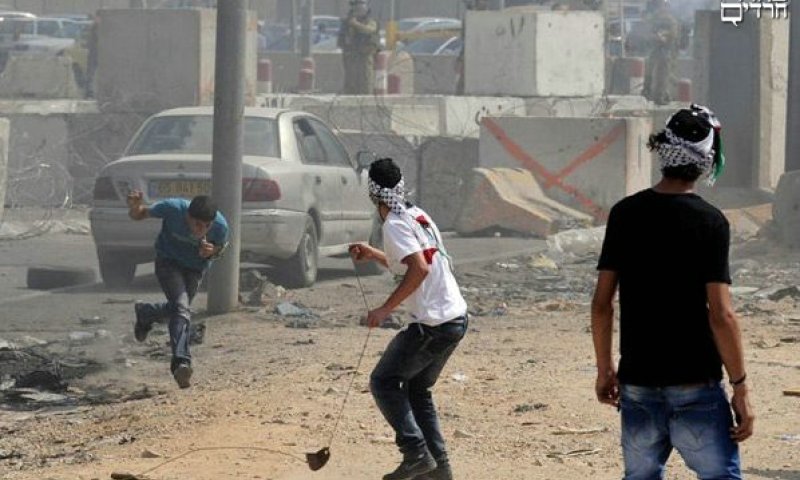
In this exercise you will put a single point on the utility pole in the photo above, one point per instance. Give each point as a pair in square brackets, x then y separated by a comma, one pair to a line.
[226, 169]
[293, 27]
[307, 28]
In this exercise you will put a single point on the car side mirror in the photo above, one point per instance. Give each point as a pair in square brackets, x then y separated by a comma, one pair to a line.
[364, 159]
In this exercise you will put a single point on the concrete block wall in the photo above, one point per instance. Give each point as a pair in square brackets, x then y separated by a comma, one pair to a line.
[74, 138]
[38, 76]
[150, 60]
[523, 52]
[435, 74]
[742, 74]
[4, 141]
[585, 163]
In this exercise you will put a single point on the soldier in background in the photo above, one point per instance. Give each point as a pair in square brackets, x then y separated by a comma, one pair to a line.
[461, 64]
[659, 76]
[360, 41]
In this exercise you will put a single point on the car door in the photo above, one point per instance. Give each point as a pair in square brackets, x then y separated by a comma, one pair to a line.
[324, 180]
[357, 210]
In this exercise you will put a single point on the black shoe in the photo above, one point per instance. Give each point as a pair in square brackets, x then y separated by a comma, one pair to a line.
[442, 472]
[183, 375]
[412, 467]
[142, 327]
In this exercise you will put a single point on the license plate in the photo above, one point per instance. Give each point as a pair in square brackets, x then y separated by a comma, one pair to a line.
[178, 188]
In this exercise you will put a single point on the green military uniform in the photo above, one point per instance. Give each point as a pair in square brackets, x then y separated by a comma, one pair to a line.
[360, 41]
[659, 76]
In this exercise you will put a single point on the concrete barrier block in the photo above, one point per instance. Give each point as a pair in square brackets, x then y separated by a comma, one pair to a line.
[445, 170]
[746, 223]
[435, 74]
[38, 76]
[511, 199]
[585, 163]
[525, 52]
[786, 209]
[4, 141]
[402, 149]
[153, 59]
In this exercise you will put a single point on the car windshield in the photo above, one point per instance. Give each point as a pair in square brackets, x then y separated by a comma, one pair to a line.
[193, 134]
[426, 45]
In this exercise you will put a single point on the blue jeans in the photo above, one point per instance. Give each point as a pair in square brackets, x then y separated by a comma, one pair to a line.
[180, 285]
[402, 380]
[695, 420]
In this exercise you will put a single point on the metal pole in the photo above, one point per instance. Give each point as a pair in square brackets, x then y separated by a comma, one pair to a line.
[307, 28]
[293, 26]
[226, 169]
[622, 27]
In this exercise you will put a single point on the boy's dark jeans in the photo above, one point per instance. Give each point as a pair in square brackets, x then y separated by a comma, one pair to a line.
[180, 285]
[402, 380]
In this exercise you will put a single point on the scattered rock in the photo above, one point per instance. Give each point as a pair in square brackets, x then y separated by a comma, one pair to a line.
[147, 453]
[543, 262]
[92, 320]
[527, 407]
[464, 434]
[459, 377]
[81, 338]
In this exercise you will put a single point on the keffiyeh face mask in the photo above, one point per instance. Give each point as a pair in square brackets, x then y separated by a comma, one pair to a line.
[394, 198]
[706, 154]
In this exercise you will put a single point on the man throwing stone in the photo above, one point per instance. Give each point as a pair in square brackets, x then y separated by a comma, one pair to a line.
[414, 359]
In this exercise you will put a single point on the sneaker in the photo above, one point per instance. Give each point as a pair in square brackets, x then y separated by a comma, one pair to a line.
[183, 375]
[442, 472]
[142, 327]
[412, 467]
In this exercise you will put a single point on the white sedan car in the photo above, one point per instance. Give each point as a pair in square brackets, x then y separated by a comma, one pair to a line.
[302, 194]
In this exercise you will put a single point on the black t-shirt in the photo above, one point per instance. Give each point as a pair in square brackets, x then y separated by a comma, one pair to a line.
[665, 249]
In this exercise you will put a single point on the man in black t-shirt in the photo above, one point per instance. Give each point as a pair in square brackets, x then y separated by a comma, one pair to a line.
[666, 249]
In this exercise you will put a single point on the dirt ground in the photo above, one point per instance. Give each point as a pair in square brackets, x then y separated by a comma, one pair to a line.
[516, 400]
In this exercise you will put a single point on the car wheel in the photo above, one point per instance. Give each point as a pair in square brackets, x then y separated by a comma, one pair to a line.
[46, 278]
[116, 269]
[301, 269]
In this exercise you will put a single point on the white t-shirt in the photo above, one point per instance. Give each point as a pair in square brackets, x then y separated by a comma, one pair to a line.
[438, 299]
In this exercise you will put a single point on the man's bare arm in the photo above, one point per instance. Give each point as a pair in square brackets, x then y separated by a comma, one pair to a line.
[606, 386]
[728, 338]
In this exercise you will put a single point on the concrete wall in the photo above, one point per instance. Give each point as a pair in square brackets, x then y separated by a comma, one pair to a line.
[585, 163]
[435, 74]
[150, 60]
[793, 113]
[524, 53]
[38, 76]
[742, 74]
[74, 138]
[446, 168]
[4, 137]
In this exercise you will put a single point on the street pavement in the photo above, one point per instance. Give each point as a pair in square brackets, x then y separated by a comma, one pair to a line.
[50, 314]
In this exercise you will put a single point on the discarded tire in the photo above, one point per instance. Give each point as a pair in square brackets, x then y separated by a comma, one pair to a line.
[47, 278]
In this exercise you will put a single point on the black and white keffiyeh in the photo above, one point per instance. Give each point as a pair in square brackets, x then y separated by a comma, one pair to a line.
[394, 198]
[706, 153]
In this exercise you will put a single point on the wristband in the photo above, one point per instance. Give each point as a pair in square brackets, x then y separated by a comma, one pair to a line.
[740, 381]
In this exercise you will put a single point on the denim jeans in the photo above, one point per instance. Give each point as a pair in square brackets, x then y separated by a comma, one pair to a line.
[179, 284]
[695, 420]
[402, 380]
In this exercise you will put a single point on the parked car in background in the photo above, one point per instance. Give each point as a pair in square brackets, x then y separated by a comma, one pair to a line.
[434, 46]
[302, 194]
[427, 24]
